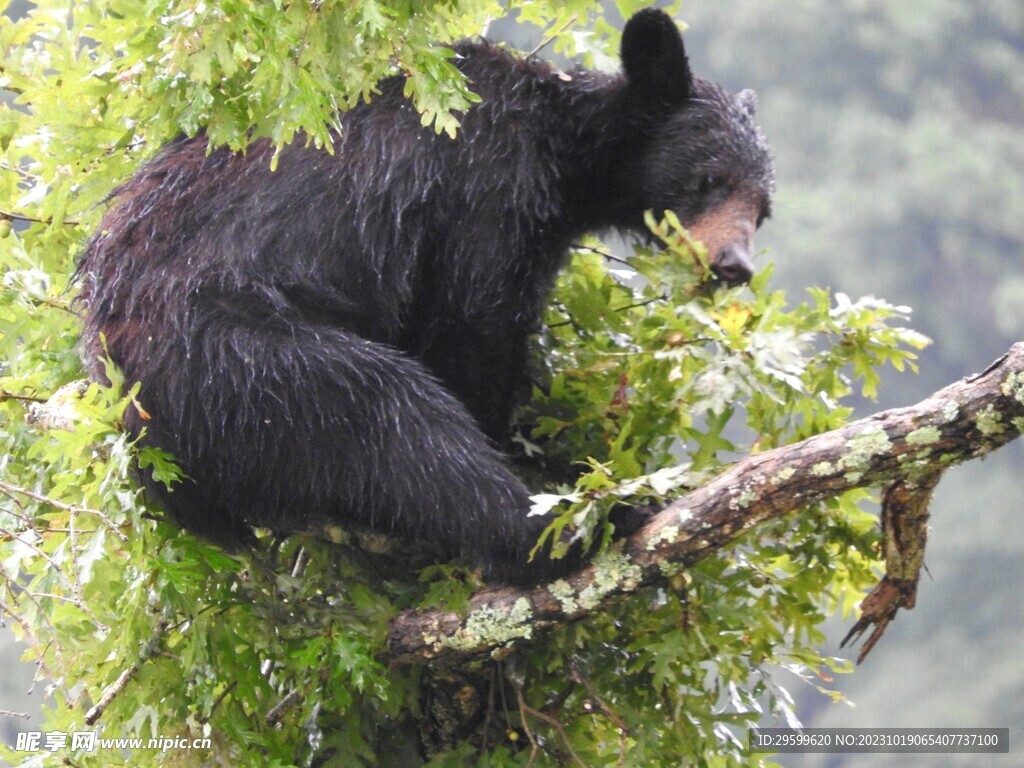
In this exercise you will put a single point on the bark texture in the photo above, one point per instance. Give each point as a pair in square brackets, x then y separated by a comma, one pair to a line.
[903, 450]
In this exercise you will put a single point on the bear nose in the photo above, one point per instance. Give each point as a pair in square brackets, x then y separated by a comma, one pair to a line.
[733, 266]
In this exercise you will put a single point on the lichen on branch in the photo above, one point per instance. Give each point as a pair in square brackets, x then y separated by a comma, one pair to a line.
[910, 447]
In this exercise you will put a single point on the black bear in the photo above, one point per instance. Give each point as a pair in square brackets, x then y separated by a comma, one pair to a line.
[344, 338]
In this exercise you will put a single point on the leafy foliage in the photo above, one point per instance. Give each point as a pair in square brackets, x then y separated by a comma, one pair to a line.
[653, 380]
[897, 132]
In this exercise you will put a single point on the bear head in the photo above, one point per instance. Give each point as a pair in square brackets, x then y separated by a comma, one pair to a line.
[699, 152]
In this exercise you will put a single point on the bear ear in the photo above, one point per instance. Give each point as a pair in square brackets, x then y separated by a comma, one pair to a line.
[747, 101]
[654, 58]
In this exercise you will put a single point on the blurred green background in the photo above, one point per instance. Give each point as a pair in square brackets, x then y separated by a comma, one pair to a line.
[898, 130]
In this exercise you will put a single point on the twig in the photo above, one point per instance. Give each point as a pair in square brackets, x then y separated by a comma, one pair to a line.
[623, 308]
[8, 713]
[75, 585]
[603, 253]
[14, 215]
[299, 565]
[546, 41]
[220, 697]
[148, 650]
[275, 715]
[534, 747]
[63, 306]
[31, 637]
[524, 710]
[5, 395]
[11, 490]
[577, 676]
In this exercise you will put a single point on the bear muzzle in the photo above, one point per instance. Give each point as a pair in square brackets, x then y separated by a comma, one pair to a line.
[733, 265]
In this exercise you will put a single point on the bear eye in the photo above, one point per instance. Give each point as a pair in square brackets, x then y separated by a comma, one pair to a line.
[705, 184]
[709, 183]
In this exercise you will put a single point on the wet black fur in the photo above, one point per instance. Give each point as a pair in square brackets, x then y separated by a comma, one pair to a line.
[343, 339]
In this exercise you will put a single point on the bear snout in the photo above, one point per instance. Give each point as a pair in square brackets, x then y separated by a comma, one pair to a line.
[733, 265]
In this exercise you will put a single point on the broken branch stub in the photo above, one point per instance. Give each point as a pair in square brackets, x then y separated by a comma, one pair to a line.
[911, 446]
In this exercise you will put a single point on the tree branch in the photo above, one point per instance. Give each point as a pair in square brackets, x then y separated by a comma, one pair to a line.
[111, 692]
[904, 450]
[904, 533]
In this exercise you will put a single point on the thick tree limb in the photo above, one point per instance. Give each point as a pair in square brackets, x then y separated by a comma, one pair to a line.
[904, 450]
